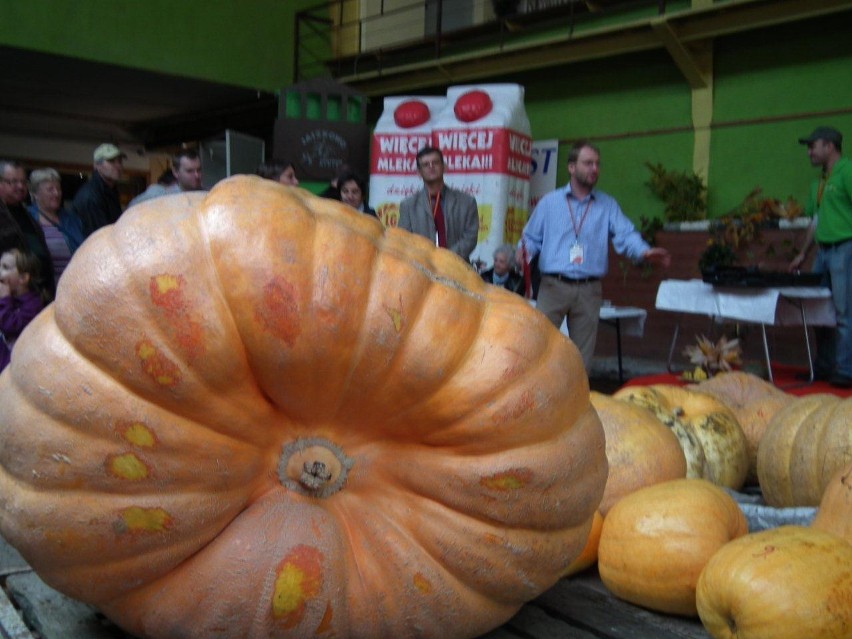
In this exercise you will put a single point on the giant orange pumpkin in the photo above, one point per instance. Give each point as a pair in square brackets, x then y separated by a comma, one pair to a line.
[254, 413]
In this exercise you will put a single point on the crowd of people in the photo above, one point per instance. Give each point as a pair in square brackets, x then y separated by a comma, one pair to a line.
[562, 254]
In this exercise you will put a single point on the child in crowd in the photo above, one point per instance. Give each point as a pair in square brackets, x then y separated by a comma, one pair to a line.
[22, 296]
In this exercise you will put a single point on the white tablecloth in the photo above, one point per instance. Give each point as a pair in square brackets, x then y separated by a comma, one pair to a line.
[770, 306]
[631, 319]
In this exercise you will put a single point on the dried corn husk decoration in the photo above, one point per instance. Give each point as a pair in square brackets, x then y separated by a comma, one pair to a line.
[714, 358]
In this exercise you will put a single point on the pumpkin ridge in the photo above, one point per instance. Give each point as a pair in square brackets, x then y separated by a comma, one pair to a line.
[439, 280]
[500, 387]
[363, 334]
[45, 401]
[163, 340]
[358, 357]
[495, 533]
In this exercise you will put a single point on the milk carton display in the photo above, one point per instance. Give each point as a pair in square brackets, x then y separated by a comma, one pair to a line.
[484, 133]
[404, 128]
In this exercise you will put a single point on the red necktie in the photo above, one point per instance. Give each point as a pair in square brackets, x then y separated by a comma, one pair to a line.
[438, 214]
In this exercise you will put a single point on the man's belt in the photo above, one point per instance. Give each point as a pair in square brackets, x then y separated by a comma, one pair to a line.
[571, 280]
[830, 245]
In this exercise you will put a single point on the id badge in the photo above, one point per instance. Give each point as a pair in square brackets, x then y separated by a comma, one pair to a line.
[575, 254]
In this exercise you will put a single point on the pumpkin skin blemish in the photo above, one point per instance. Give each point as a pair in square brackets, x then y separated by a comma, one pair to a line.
[168, 292]
[298, 579]
[143, 520]
[422, 584]
[278, 312]
[127, 466]
[156, 365]
[138, 434]
[164, 285]
[508, 480]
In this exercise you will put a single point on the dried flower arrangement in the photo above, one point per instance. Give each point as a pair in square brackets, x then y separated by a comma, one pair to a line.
[711, 358]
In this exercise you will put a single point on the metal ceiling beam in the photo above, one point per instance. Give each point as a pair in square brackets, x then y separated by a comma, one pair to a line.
[674, 32]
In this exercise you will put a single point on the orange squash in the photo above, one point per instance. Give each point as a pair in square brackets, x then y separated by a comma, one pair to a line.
[589, 555]
[712, 439]
[803, 446]
[254, 411]
[834, 514]
[753, 401]
[789, 582]
[656, 541]
[640, 450]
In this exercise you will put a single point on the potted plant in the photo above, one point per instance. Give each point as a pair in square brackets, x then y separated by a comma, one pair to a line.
[684, 194]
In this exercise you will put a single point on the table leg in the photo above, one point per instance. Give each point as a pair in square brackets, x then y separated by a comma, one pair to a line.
[811, 372]
[618, 350]
[674, 343]
[766, 353]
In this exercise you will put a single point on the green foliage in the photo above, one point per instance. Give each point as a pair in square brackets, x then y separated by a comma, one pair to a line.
[739, 229]
[684, 194]
[717, 254]
[648, 228]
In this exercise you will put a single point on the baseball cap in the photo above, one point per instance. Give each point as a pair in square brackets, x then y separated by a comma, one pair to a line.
[108, 152]
[827, 133]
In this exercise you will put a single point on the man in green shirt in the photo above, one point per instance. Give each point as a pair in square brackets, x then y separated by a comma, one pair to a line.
[830, 205]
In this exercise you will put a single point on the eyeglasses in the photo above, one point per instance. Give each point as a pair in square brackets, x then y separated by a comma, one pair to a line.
[16, 181]
[430, 163]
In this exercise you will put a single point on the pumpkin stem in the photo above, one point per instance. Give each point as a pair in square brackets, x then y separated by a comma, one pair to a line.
[314, 475]
[313, 467]
[732, 626]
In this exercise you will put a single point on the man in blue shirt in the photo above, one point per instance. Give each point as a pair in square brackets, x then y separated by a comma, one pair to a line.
[569, 230]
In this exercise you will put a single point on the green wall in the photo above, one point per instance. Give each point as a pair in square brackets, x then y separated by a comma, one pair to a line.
[770, 87]
[622, 104]
[247, 43]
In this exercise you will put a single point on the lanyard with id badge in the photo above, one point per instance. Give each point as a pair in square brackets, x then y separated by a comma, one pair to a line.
[577, 251]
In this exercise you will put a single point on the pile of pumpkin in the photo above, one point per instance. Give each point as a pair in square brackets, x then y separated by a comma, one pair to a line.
[268, 416]
[670, 537]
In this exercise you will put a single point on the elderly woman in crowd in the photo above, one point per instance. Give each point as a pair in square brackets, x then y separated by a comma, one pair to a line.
[283, 172]
[62, 229]
[503, 272]
[352, 192]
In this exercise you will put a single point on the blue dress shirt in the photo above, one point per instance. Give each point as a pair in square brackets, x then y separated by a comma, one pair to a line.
[550, 233]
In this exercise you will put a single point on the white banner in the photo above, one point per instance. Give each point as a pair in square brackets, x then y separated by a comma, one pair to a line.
[544, 164]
